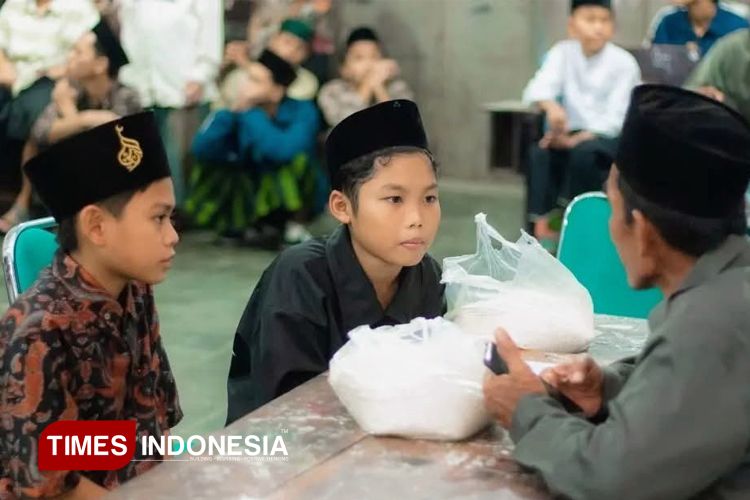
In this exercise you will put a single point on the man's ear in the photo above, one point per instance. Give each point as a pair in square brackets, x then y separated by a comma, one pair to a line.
[340, 207]
[646, 235]
[92, 224]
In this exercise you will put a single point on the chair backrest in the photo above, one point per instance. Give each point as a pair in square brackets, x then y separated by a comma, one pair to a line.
[27, 249]
[587, 250]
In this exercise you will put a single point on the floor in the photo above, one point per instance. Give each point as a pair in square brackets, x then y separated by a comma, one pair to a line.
[201, 302]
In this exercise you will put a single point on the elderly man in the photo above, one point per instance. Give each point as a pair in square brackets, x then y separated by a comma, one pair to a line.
[673, 422]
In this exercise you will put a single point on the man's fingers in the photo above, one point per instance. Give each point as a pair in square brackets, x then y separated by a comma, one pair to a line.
[509, 351]
[551, 377]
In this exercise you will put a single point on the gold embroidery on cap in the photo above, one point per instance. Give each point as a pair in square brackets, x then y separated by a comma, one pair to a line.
[130, 154]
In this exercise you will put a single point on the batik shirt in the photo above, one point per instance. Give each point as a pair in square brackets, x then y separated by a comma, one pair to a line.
[70, 351]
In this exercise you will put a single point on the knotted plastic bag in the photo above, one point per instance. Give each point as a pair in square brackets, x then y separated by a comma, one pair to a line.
[422, 380]
[522, 288]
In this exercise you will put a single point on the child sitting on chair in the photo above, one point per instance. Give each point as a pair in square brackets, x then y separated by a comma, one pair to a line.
[593, 79]
[373, 270]
[83, 342]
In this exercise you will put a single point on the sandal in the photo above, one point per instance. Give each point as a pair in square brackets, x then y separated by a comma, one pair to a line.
[13, 217]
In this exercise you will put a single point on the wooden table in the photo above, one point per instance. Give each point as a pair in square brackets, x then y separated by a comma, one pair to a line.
[330, 457]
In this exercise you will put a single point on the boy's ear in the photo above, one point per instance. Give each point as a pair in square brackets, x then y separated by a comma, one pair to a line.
[91, 224]
[340, 207]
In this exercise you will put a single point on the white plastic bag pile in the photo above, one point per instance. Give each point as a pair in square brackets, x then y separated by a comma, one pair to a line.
[422, 380]
[522, 288]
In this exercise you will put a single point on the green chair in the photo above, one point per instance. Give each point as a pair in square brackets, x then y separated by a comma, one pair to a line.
[587, 250]
[27, 249]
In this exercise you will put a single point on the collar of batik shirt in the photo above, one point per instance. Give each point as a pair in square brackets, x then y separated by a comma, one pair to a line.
[84, 286]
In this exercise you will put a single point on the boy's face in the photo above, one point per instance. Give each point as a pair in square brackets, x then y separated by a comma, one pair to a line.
[592, 26]
[291, 48]
[83, 61]
[261, 86]
[141, 242]
[360, 58]
[398, 211]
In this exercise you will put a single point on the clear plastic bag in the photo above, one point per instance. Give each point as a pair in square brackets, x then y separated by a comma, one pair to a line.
[422, 380]
[522, 288]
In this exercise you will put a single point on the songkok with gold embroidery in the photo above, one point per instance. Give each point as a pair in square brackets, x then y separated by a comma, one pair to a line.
[120, 156]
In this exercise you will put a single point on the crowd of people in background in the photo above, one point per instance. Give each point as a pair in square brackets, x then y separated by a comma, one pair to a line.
[244, 92]
[584, 84]
[239, 107]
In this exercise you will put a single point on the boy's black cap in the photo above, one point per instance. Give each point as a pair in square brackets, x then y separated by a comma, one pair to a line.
[685, 152]
[111, 45]
[362, 33]
[385, 125]
[282, 72]
[574, 4]
[119, 156]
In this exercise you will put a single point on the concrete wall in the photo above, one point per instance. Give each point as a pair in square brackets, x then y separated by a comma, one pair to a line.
[458, 54]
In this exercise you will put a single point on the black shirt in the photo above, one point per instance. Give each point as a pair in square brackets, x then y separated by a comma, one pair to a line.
[305, 304]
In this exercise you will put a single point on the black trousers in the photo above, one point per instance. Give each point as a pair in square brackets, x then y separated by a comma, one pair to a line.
[556, 176]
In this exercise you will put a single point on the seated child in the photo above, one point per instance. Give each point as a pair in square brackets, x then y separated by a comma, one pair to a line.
[367, 78]
[83, 342]
[291, 43]
[373, 270]
[593, 78]
[257, 177]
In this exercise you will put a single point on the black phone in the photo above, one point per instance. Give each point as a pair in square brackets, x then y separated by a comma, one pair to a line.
[493, 361]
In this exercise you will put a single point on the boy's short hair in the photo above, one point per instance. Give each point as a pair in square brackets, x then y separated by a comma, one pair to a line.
[575, 4]
[360, 170]
[67, 237]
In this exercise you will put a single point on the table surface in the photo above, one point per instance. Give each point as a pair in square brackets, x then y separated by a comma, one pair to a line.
[330, 457]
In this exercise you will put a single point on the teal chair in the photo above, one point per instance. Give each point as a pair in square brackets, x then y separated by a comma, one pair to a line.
[27, 249]
[587, 250]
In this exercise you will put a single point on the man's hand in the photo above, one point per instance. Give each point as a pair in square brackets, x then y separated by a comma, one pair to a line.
[502, 393]
[712, 93]
[8, 74]
[64, 96]
[193, 93]
[581, 381]
[238, 53]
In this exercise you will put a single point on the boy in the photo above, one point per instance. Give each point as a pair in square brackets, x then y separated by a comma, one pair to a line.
[83, 342]
[88, 97]
[698, 24]
[259, 157]
[291, 43]
[373, 270]
[367, 78]
[593, 78]
[673, 421]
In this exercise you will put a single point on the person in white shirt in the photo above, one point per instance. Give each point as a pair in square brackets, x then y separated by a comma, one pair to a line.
[35, 37]
[175, 50]
[584, 87]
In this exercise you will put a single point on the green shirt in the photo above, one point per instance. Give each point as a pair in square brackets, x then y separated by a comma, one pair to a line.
[677, 424]
[727, 67]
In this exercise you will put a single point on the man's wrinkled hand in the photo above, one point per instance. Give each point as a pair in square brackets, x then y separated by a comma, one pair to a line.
[502, 393]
